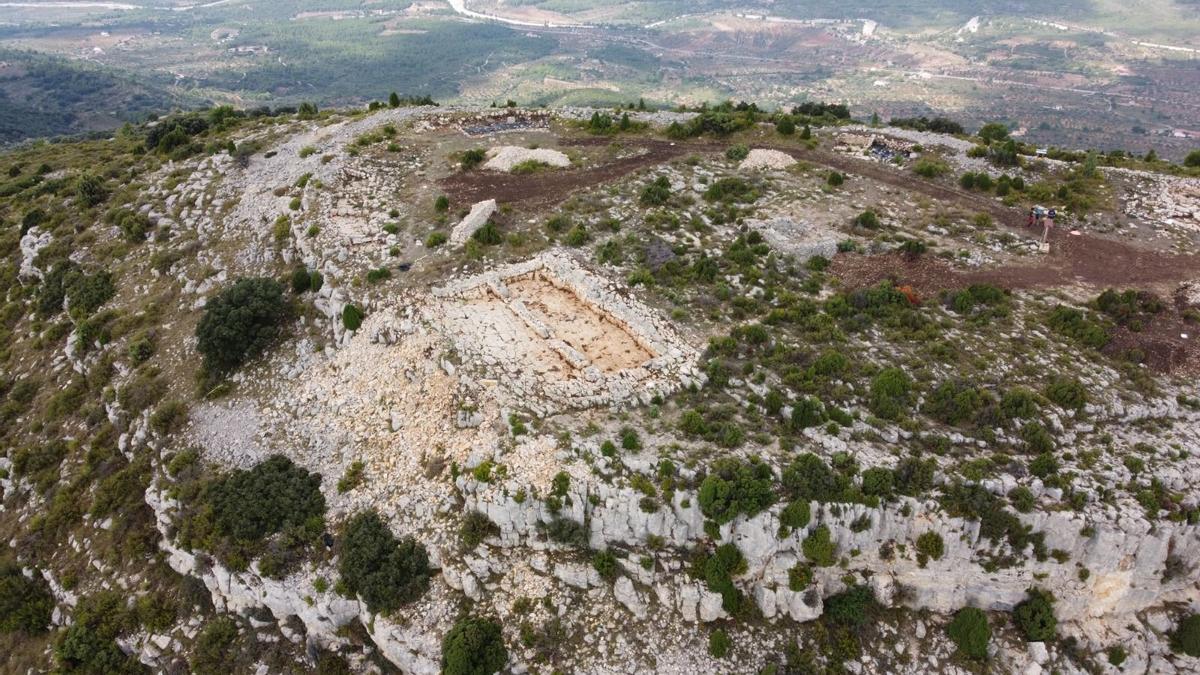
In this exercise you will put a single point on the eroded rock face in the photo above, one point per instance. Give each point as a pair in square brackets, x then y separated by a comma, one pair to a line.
[1128, 561]
[31, 244]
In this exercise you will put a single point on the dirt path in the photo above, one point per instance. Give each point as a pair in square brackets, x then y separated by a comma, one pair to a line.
[552, 187]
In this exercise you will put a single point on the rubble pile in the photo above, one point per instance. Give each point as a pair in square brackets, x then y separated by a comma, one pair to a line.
[759, 159]
[505, 158]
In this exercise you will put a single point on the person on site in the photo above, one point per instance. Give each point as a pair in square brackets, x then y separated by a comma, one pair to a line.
[1032, 218]
[1049, 225]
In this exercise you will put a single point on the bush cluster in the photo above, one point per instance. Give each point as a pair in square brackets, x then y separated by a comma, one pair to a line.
[734, 487]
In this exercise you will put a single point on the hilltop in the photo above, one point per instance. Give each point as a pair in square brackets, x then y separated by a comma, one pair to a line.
[465, 389]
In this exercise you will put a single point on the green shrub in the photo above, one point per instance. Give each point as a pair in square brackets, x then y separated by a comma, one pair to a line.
[379, 274]
[852, 607]
[890, 392]
[795, 515]
[90, 190]
[1116, 655]
[737, 152]
[488, 235]
[734, 487]
[719, 569]
[441, 204]
[834, 179]
[606, 564]
[352, 478]
[1022, 499]
[819, 548]
[474, 646]
[809, 478]
[799, 577]
[567, 531]
[719, 643]
[85, 293]
[352, 317]
[867, 219]
[929, 167]
[970, 632]
[475, 528]
[1034, 616]
[301, 280]
[1037, 439]
[436, 239]
[630, 440]
[387, 573]
[879, 482]
[731, 190]
[528, 166]
[1044, 465]
[808, 412]
[249, 505]
[1019, 403]
[26, 603]
[1186, 638]
[169, 417]
[955, 402]
[472, 158]
[656, 193]
[240, 322]
[89, 644]
[1078, 326]
[930, 546]
[1067, 392]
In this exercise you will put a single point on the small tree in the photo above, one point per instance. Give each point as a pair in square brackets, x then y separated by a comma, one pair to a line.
[394, 100]
[1193, 159]
[240, 322]
[474, 646]
[786, 125]
[306, 111]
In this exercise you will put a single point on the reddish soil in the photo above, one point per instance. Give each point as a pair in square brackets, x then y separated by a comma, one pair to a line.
[1159, 344]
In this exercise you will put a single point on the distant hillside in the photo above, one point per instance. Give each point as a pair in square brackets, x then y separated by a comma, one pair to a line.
[42, 95]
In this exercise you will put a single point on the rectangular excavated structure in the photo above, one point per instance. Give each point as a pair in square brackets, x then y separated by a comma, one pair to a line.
[556, 336]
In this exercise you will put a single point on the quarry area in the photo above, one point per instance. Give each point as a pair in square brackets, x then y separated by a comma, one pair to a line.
[647, 402]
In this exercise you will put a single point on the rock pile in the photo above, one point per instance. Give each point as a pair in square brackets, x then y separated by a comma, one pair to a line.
[766, 159]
